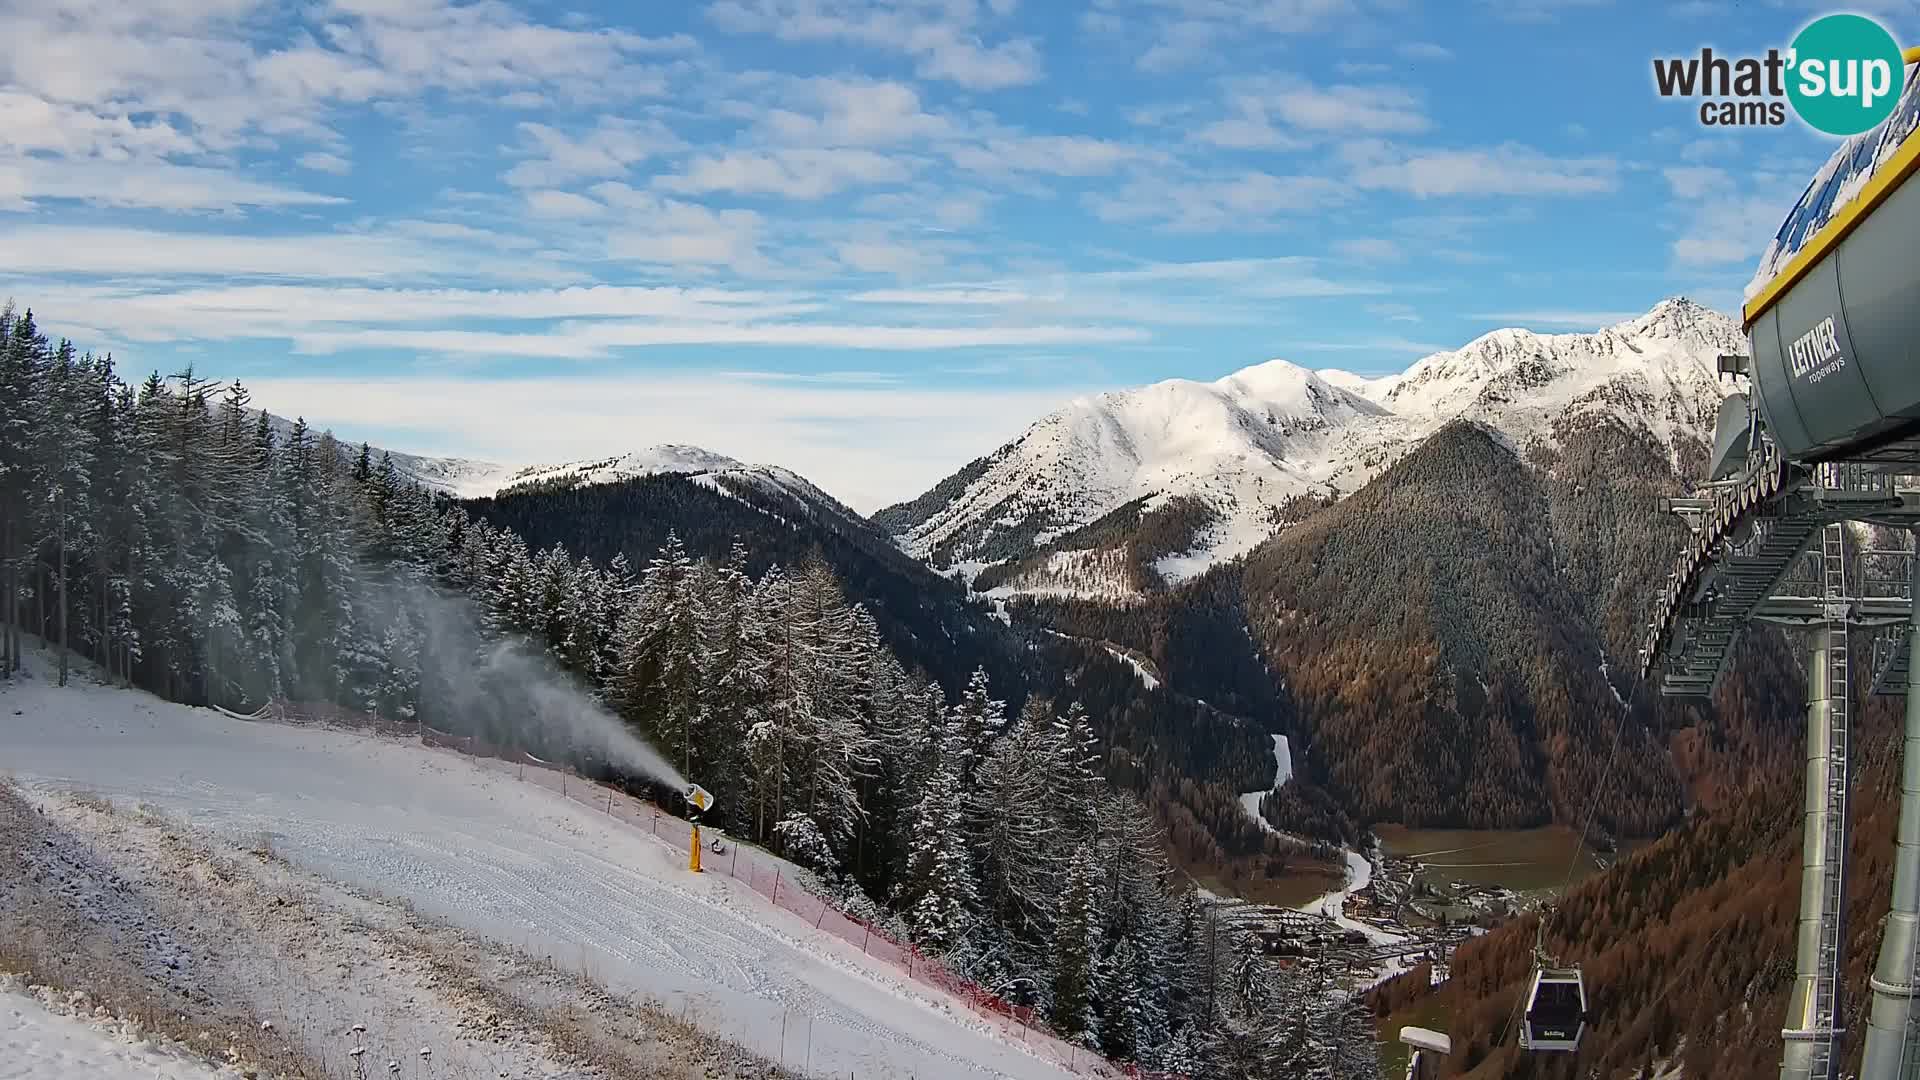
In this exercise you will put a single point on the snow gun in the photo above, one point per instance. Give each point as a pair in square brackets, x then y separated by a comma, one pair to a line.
[700, 799]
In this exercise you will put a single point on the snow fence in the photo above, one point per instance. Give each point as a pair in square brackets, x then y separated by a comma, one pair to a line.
[760, 871]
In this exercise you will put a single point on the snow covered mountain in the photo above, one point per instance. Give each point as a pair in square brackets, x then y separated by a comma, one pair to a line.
[1240, 456]
[717, 472]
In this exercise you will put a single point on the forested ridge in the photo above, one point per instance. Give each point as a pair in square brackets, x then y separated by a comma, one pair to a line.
[1114, 553]
[1187, 760]
[171, 536]
[924, 618]
[1688, 944]
[1438, 643]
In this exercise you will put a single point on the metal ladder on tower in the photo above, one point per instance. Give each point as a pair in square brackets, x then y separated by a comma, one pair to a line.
[1833, 569]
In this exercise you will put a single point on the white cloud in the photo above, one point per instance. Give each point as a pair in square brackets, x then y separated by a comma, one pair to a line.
[1219, 292]
[1246, 132]
[943, 296]
[1057, 155]
[943, 38]
[1539, 11]
[868, 445]
[1266, 113]
[930, 207]
[1179, 34]
[29, 124]
[230, 312]
[1423, 50]
[793, 173]
[198, 61]
[127, 252]
[1729, 229]
[1350, 110]
[1510, 169]
[854, 112]
[610, 149]
[1696, 181]
[601, 339]
[1216, 203]
[882, 255]
[320, 161]
[143, 184]
[1370, 249]
[562, 204]
[653, 229]
[1179, 45]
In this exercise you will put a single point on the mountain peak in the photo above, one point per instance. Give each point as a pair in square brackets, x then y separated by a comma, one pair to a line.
[1270, 373]
[1680, 317]
[1247, 451]
[664, 458]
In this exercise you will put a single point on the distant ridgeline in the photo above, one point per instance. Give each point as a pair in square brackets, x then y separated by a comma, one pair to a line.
[182, 544]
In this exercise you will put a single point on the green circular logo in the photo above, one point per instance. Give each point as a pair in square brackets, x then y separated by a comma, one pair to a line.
[1845, 74]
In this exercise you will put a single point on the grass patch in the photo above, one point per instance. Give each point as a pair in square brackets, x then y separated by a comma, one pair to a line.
[45, 941]
[94, 801]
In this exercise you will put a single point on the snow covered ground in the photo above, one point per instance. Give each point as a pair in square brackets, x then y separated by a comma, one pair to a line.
[41, 1040]
[1146, 677]
[1359, 866]
[1282, 772]
[513, 863]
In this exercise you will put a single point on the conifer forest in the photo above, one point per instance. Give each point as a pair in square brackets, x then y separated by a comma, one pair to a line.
[174, 538]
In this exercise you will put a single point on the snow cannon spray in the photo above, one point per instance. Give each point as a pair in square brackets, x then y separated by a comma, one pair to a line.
[699, 799]
[507, 691]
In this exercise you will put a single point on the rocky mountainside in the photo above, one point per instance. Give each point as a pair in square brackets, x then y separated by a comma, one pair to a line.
[1241, 457]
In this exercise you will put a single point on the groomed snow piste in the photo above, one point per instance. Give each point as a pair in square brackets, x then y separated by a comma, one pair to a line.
[512, 862]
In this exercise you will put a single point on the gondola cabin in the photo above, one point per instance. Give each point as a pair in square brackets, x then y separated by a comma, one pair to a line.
[1556, 1011]
[1430, 1050]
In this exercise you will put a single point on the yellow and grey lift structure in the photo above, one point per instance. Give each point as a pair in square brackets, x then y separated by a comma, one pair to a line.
[1823, 431]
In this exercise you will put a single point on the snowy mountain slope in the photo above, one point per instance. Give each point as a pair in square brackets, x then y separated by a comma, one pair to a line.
[459, 477]
[780, 520]
[666, 458]
[1250, 444]
[716, 472]
[514, 863]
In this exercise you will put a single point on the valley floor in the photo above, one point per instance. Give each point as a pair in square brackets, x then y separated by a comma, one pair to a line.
[274, 887]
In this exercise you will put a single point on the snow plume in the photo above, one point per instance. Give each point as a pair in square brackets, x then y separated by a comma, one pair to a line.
[506, 691]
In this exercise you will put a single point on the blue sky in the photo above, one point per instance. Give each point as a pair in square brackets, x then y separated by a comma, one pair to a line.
[867, 239]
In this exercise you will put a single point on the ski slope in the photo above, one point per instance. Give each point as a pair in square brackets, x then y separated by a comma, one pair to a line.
[515, 863]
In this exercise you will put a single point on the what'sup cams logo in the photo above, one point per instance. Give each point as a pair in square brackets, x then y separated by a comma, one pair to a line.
[1842, 75]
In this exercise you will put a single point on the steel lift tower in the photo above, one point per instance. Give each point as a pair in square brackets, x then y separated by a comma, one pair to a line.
[1819, 448]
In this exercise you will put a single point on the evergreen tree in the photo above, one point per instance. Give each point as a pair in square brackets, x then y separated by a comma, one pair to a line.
[938, 891]
[1075, 950]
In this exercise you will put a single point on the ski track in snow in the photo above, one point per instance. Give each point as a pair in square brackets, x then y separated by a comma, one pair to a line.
[38, 1043]
[512, 862]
